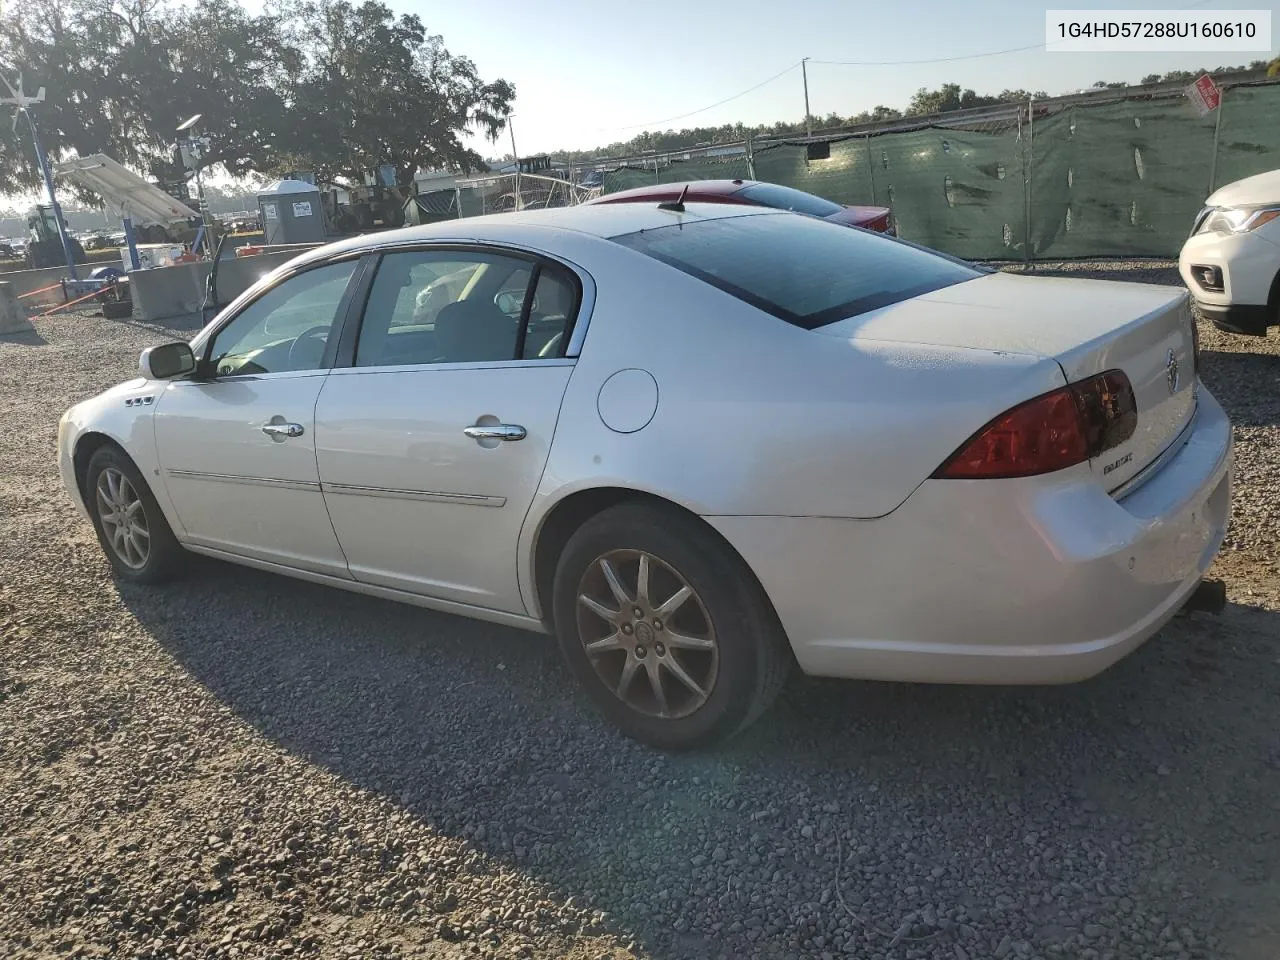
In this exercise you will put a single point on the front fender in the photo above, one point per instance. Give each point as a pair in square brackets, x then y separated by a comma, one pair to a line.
[123, 416]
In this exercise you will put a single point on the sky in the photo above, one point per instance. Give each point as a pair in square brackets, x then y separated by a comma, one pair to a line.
[589, 75]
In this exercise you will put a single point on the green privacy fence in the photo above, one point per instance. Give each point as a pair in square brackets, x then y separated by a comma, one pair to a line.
[1048, 180]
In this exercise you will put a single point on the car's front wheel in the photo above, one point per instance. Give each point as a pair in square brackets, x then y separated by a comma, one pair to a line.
[666, 628]
[131, 528]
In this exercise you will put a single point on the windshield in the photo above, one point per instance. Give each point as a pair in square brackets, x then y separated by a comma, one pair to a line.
[786, 198]
[805, 271]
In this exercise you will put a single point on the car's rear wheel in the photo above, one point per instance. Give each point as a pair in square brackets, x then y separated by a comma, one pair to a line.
[131, 527]
[665, 627]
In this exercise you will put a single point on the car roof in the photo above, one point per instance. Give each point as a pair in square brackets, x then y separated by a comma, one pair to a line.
[604, 221]
[662, 191]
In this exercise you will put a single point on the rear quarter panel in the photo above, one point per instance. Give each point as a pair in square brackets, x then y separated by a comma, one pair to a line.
[758, 417]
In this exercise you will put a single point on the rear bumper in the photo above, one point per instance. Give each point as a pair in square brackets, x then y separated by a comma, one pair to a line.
[997, 581]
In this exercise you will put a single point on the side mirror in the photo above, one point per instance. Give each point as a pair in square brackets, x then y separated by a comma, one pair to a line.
[167, 361]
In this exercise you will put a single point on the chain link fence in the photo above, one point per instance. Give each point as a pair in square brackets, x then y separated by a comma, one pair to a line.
[504, 193]
[1111, 173]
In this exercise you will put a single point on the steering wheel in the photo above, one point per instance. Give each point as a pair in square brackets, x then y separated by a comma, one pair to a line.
[298, 359]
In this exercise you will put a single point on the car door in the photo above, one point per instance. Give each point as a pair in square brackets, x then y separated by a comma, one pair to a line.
[432, 438]
[237, 446]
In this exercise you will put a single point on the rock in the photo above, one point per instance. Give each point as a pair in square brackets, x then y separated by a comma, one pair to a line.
[13, 318]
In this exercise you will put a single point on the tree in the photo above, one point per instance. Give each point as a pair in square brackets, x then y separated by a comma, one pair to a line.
[950, 97]
[942, 100]
[1020, 96]
[229, 67]
[372, 89]
[322, 83]
[122, 74]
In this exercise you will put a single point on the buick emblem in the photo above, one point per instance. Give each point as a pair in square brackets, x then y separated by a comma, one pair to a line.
[1171, 372]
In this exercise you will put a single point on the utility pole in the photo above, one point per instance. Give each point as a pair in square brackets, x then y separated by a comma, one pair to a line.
[511, 129]
[23, 103]
[808, 124]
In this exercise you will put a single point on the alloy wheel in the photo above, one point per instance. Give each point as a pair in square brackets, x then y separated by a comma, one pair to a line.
[124, 518]
[647, 634]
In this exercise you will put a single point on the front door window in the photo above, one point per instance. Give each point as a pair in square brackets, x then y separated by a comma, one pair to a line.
[288, 328]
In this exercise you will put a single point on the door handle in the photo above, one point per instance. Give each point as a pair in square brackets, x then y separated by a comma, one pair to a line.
[279, 431]
[496, 431]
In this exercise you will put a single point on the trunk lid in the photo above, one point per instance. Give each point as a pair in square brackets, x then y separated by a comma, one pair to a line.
[1087, 326]
[869, 218]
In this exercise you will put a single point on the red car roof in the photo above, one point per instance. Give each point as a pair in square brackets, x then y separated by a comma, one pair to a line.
[718, 191]
[728, 191]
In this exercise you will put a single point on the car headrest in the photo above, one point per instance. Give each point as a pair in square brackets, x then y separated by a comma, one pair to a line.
[473, 330]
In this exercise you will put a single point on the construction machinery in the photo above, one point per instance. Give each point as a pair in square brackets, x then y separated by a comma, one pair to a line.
[378, 202]
[44, 242]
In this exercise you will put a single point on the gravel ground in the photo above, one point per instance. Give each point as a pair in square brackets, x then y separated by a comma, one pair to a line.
[241, 765]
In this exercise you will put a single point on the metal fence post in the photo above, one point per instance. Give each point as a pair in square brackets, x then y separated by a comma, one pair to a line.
[871, 167]
[751, 160]
[1217, 131]
[1028, 177]
[457, 199]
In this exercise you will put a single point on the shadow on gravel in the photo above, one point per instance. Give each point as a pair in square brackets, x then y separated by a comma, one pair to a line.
[1247, 385]
[27, 338]
[480, 734]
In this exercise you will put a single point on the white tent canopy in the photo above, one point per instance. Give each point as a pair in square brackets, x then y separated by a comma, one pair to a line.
[124, 192]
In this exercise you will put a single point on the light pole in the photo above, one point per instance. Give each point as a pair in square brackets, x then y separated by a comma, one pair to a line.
[23, 103]
[511, 129]
[196, 148]
[808, 124]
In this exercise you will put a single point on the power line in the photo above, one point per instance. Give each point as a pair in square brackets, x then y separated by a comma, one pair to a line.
[904, 63]
[847, 63]
[718, 103]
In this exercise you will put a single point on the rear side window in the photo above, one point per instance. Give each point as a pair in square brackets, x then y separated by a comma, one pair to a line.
[788, 198]
[804, 271]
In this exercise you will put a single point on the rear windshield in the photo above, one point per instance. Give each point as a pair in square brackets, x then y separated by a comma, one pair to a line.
[788, 198]
[804, 271]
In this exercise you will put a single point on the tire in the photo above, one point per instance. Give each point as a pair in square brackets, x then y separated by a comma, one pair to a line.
[164, 557]
[736, 678]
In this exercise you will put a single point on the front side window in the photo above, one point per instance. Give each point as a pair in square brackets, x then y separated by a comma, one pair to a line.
[449, 306]
[287, 328]
[807, 272]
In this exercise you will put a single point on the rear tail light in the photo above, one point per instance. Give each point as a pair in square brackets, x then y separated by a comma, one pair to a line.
[1052, 432]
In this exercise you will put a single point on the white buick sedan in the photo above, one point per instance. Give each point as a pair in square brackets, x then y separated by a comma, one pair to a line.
[697, 444]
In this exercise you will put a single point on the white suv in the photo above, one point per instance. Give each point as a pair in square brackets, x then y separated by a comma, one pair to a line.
[1231, 262]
